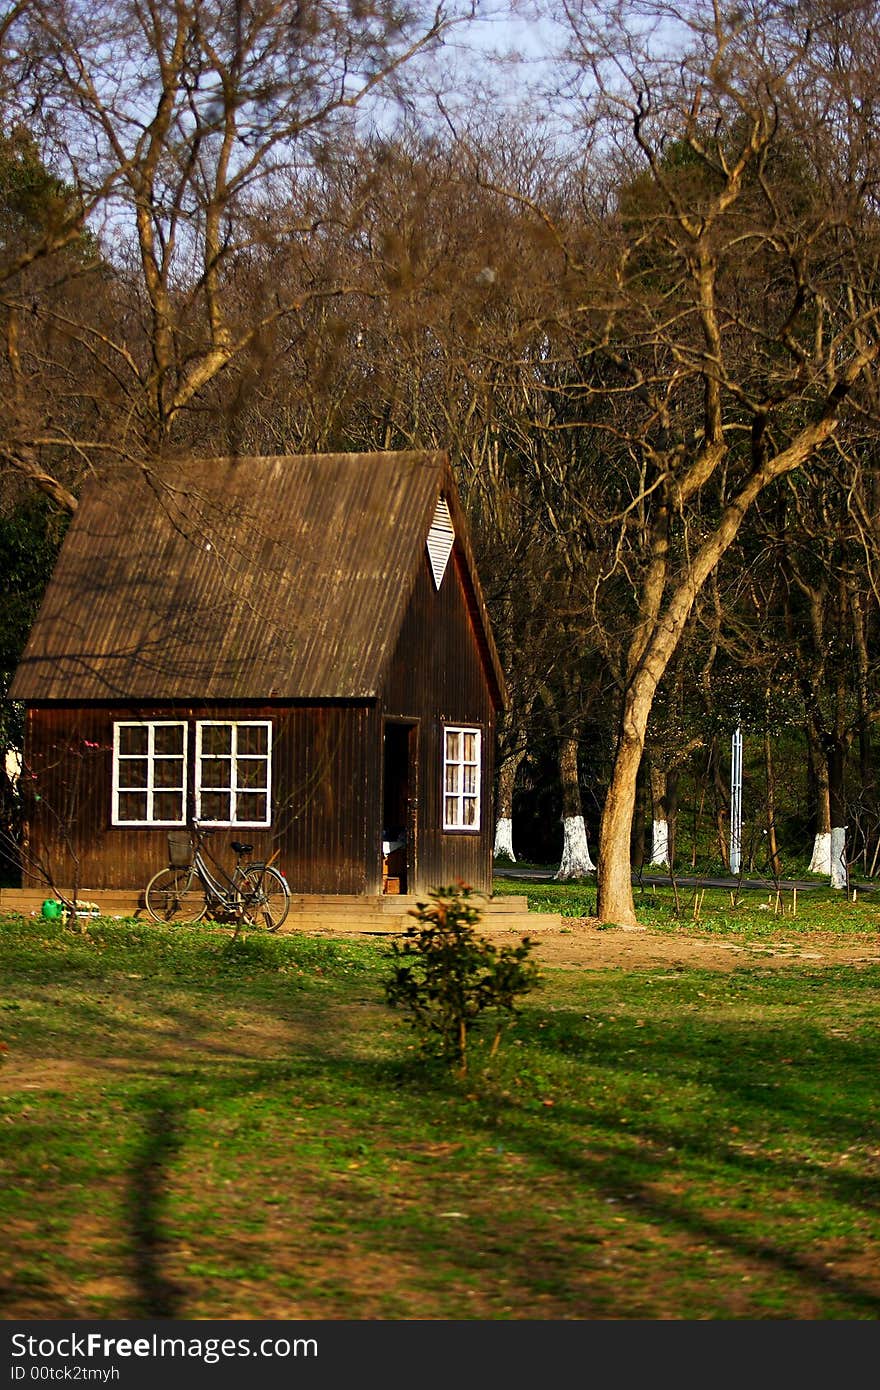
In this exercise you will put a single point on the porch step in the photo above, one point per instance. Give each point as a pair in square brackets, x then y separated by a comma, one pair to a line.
[404, 902]
[343, 912]
[392, 924]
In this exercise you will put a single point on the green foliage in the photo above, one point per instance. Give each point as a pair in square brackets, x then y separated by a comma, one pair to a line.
[447, 975]
[34, 203]
[30, 537]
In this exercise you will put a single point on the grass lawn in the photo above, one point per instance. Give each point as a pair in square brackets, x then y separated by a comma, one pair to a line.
[752, 912]
[196, 1127]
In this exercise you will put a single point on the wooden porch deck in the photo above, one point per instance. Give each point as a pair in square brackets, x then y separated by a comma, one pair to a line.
[309, 912]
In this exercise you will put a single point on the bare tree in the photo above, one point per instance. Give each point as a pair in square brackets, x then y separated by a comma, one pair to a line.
[727, 308]
[197, 132]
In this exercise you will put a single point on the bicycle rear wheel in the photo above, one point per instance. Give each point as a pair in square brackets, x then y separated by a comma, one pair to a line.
[175, 895]
[265, 897]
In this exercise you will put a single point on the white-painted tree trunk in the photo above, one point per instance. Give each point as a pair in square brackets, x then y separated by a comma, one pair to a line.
[821, 860]
[660, 842]
[576, 861]
[504, 839]
[838, 856]
[504, 805]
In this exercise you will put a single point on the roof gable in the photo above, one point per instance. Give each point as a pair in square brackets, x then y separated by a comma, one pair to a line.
[256, 578]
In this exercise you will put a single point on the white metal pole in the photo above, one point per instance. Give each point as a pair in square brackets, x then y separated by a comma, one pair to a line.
[736, 765]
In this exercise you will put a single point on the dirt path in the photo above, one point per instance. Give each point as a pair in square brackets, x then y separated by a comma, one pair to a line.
[582, 943]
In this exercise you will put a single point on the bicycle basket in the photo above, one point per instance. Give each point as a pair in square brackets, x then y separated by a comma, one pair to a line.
[180, 849]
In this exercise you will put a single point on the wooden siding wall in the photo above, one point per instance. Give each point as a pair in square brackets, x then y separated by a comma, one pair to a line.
[326, 796]
[437, 676]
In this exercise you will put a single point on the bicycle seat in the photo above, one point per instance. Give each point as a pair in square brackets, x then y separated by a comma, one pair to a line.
[239, 848]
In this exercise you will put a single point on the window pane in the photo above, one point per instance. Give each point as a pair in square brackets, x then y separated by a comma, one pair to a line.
[133, 738]
[215, 806]
[251, 773]
[168, 738]
[251, 806]
[168, 806]
[133, 772]
[253, 738]
[150, 755]
[133, 806]
[461, 779]
[216, 738]
[215, 772]
[167, 772]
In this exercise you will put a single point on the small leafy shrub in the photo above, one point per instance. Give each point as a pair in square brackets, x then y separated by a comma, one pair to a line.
[446, 975]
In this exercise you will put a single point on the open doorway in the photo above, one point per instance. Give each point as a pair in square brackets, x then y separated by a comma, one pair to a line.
[399, 818]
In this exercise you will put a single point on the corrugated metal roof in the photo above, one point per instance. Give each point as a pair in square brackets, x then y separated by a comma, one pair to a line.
[239, 578]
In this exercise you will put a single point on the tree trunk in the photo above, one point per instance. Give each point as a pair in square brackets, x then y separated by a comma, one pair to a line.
[659, 818]
[820, 862]
[615, 897]
[664, 811]
[721, 793]
[575, 861]
[866, 771]
[775, 866]
[637, 839]
[503, 849]
[504, 820]
[839, 871]
[835, 754]
[672, 778]
[660, 842]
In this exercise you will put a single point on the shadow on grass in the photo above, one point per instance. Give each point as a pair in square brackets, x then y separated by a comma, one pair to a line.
[633, 1154]
[580, 1153]
[631, 1186]
[146, 1196]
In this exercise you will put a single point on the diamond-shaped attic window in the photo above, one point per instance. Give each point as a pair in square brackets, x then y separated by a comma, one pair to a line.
[440, 539]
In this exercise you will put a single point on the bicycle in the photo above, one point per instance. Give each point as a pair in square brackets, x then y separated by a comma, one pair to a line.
[255, 894]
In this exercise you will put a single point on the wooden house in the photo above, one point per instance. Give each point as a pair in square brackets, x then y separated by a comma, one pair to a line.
[294, 650]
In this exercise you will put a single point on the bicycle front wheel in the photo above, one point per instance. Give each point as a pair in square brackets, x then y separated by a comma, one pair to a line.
[265, 897]
[176, 895]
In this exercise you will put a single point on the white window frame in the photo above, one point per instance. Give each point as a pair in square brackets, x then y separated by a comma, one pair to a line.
[234, 757]
[151, 725]
[460, 796]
